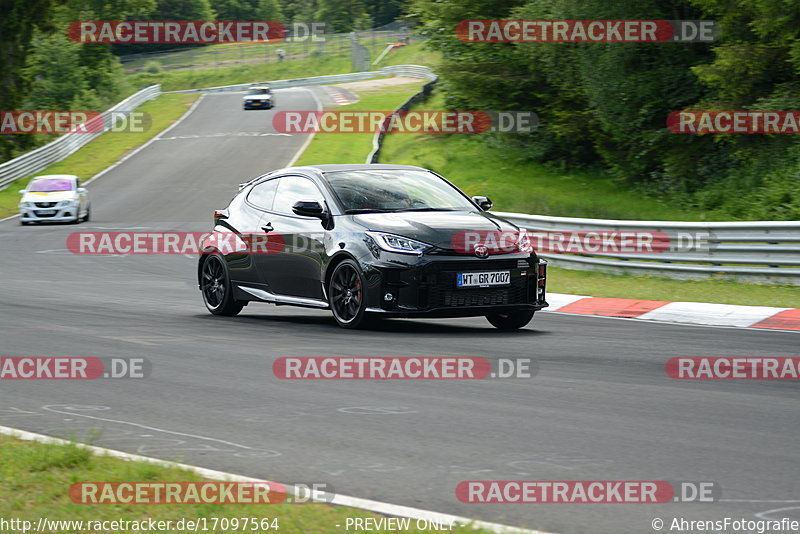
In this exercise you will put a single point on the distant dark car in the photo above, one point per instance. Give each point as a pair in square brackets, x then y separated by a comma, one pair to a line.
[259, 97]
[369, 241]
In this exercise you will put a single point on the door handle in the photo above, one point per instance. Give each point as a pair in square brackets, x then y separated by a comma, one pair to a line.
[267, 227]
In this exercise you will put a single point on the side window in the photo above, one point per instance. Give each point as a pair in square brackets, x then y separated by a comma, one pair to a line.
[293, 189]
[262, 195]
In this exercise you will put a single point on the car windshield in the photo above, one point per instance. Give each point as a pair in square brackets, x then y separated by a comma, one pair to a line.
[52, 184]
[259, 91]
[395, 190]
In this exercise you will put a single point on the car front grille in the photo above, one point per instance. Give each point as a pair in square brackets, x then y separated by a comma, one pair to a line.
[441, 289]
[45, 204]
[480, 297]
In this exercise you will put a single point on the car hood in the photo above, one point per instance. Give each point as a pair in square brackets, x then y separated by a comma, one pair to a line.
[48, 196]
[434, 227]
[257, 97]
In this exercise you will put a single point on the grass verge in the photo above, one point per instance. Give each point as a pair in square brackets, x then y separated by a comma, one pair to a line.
[519, 185]
[36, 478]
[205, 75]
[721, 291]
[107, 149]
[353, 148]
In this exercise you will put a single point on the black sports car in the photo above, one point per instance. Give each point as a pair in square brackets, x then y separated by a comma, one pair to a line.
[368, 241]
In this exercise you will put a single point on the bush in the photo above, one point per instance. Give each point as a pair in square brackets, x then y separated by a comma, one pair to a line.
[152, 67]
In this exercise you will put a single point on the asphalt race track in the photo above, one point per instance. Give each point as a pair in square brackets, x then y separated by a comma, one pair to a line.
[600, 408]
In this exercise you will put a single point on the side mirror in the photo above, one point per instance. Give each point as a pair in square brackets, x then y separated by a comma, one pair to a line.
[21, 191]
[309, 208]
[484, 203]
[81, 190]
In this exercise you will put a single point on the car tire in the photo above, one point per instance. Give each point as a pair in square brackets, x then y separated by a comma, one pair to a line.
[511, 320]
[88, 214]
[215, 285]
[347, 296]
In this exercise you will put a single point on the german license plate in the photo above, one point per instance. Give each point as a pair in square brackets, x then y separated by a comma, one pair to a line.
[484, 279]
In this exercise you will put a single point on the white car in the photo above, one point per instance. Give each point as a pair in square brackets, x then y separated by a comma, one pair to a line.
[259, 97]
[54, 198]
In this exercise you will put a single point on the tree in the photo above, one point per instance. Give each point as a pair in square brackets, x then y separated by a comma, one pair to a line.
[21, 18]
[342, 15]
[383, 12]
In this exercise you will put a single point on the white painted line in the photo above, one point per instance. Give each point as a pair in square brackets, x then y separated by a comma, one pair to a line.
[710, 314]
[559, 300]
[148, 143]
[341, 500]
[310, 137]
[666, 323]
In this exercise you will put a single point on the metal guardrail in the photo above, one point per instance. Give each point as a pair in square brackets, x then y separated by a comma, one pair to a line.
[44, 156]
[416, 71]
[764, 251]
[404, 70]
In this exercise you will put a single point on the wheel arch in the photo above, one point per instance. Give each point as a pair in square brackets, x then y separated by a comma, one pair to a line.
[335, 260]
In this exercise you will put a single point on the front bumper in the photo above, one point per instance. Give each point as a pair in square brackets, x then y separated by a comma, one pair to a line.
[258, 104]
[66, 214]
[429, 289]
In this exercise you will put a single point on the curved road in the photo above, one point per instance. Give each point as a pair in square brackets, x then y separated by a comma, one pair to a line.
[600, 408]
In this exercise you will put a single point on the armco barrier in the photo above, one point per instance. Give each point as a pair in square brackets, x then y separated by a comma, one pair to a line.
[425, 92]
[416, 71]
[44, 156]
[763, 251]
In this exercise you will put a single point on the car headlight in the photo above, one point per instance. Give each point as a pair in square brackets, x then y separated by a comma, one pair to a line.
[397, 243]
[65, 203]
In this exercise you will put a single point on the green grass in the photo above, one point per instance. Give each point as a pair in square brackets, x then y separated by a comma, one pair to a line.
[35, 480]
[518, 185]
[204, 74]
[722, 291]
[214, 56]
[353, 148]
[107, 149]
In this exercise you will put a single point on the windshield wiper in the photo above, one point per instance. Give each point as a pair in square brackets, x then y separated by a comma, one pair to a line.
[426, 209]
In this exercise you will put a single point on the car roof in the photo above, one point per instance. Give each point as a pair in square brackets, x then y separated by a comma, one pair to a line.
[320, 170]
[351, 167]
[259, 87]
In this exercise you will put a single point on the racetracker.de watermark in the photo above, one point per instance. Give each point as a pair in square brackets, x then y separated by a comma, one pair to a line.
[192, 493]
[586, 31]
[586, 491]
[402, 368]
[413, 122]
[135, 243]
[600, 241]
[72, 368]
[74, 122]
[175, 31]
[733, 368]
[734, 122]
